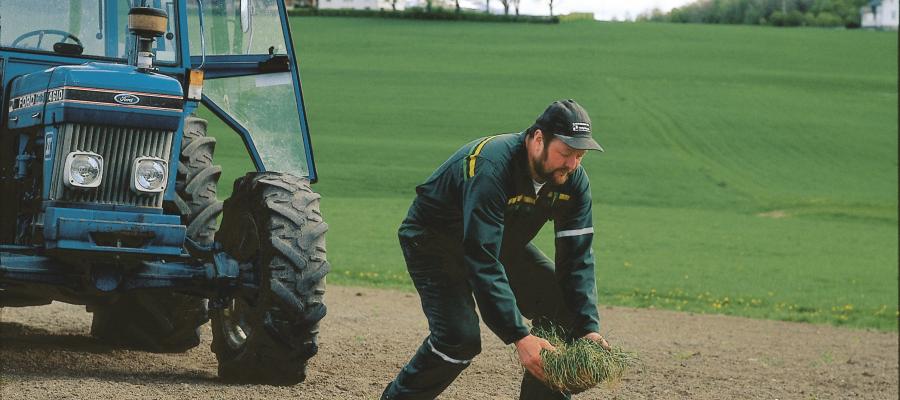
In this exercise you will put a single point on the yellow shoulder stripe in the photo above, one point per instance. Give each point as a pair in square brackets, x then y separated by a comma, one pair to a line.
[470, 160]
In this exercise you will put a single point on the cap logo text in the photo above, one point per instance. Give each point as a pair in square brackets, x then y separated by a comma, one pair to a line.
[581, 127]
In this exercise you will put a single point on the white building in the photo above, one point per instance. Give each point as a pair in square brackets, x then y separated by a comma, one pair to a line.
[880, 14]
[362, 4]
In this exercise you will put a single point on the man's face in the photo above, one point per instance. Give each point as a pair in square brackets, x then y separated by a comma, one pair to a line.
[557, 161]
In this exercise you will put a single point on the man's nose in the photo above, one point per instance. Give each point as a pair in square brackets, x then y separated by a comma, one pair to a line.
[572, 163]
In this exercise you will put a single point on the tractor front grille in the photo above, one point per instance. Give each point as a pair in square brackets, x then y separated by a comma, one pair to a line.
[119, 147]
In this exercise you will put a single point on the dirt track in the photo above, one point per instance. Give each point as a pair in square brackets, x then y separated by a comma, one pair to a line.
[45, 352]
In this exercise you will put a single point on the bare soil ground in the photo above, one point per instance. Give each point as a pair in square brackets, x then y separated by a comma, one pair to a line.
[46, 352]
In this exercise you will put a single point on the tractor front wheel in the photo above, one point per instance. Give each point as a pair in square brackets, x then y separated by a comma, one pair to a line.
[266, 334]
[156, 322]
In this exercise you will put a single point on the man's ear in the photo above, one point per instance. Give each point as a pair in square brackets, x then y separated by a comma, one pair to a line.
[538, 137]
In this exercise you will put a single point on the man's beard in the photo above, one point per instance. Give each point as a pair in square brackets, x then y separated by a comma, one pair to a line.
[544, 174]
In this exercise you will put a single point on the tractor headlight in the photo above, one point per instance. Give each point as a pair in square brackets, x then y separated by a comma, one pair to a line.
[83, 169]
[150, 175]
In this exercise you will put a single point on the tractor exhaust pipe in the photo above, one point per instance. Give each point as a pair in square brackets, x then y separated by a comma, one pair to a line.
[147, 24]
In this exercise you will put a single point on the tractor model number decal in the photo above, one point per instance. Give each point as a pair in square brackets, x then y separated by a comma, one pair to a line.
[54, 95]
[26, 101]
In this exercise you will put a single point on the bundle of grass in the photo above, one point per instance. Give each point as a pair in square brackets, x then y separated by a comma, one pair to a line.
[576, 366]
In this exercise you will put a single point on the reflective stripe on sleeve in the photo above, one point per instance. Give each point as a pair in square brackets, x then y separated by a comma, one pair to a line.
[575, 232]
[446, 357]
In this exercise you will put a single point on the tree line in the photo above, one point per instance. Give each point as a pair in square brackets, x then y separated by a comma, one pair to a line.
[449, 10]
[824, 13]
[438, 5]
[430, 5]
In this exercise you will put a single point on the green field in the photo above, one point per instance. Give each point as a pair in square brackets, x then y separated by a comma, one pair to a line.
[749, 171]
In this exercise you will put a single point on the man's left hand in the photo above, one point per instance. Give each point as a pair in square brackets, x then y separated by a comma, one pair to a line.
[597, 338]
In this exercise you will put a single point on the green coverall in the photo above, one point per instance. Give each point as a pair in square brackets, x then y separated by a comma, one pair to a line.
[469, 231]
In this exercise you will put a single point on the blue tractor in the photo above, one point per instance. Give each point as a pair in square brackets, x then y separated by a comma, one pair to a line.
[108, 183]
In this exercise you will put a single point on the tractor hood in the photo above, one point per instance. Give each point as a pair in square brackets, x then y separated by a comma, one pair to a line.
[96, 93]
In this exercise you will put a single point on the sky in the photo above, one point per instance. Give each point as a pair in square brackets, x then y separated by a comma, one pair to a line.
[603, 9]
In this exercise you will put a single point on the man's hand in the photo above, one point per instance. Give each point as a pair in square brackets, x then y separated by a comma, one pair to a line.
[529, 350]
[597, 338]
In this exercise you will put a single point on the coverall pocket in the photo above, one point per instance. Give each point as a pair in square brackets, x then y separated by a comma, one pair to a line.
[428, 260]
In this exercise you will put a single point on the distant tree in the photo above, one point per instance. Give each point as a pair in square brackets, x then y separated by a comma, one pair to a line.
[487, 6]
[653, 15]
[551, 7]
[457, 7]
[440, 4]
[394, 5]
[505, 6]
[826, 18]
[515, 4]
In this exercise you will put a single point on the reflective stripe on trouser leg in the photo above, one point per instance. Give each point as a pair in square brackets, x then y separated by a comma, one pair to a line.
[424, 377]
[444, 356]
[575, 232]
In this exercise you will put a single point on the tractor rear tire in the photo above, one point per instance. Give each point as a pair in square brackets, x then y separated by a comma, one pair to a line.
[273, 225]
[167, 322]
[196, 183]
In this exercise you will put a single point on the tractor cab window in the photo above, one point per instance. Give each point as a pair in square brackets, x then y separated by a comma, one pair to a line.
[80, 27]
[30, 25]
[262, 101]
[237, 27]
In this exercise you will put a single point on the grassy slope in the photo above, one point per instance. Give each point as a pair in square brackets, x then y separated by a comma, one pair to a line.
[705, 128]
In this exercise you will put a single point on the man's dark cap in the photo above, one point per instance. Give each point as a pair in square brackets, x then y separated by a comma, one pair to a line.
[570, 123]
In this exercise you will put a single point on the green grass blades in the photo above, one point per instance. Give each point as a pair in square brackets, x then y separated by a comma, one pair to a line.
[576, 366]
[749, 171]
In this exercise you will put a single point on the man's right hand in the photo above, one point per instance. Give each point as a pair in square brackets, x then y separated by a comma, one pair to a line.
[529, 350]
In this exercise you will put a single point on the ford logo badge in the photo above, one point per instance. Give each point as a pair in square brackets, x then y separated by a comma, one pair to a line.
[127, 99]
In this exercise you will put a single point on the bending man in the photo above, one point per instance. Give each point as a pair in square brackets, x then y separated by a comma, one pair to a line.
[469, 231]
